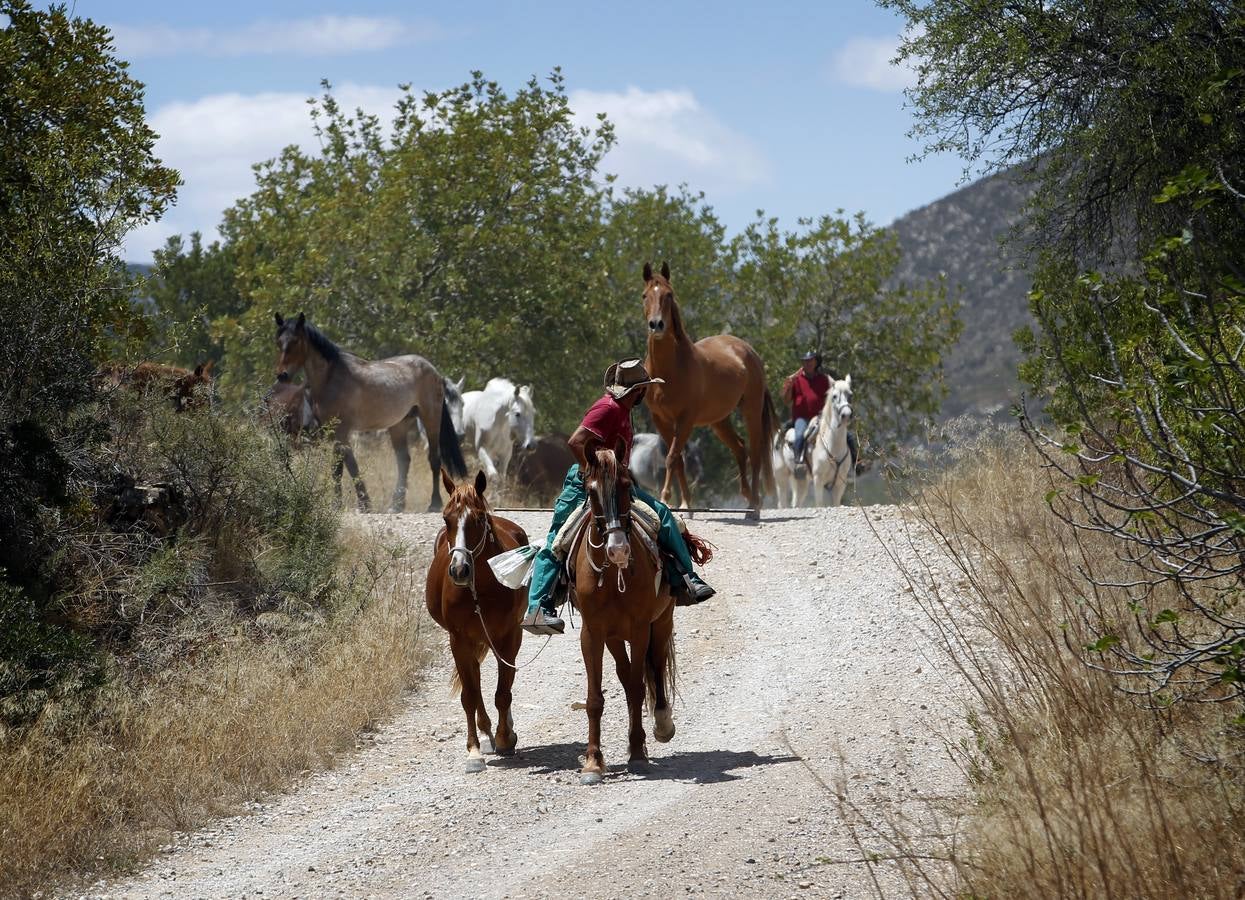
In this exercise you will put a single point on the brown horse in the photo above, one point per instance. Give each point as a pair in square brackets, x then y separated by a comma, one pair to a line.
[621, 601]
[357, 394]
[706, 381]
[465, 599]
[186, 389]
[541, 468]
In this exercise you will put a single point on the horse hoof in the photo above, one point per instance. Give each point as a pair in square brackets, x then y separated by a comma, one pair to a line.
[475, 765]
[753, 515]
[639, 767]
[486, 744]
[663, 733]
[505, 751]
[590, 778]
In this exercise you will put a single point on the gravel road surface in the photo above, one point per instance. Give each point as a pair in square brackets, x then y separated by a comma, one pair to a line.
[810, 670]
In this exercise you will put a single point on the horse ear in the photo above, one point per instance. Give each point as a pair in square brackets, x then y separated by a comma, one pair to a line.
[280, 321]
[848, 379]
[458, 385]
[302, 320]
[207, 368]
[648, 272]
[516, 392]
[199, 371]
[665, 270]
[526, 392]
[481, 482]
[447, 481]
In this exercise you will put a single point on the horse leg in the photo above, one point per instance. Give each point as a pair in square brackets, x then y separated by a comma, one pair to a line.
[346, 453]
[399, 437]
[727, 435]
[666, 430]
[593, 650]
[757, 441]
[506, 736]
[660, 653]
[674, 460]
[631, 674]
[467, 662]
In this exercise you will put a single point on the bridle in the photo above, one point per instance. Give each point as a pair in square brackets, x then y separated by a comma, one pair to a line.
[610, 521]
[824, 437]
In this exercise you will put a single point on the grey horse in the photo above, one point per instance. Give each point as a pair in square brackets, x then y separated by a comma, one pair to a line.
[648, 461]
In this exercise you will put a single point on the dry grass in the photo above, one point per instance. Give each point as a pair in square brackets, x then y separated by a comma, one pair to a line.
[166, 754]
[1078, 789]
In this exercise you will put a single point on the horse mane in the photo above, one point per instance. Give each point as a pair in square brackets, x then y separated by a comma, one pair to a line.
[320, 341]
[607, 466]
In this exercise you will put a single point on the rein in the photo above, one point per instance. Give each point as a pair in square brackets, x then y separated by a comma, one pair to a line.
[475, 597]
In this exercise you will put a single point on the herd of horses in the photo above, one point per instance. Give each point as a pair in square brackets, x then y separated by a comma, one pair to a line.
[625, 605]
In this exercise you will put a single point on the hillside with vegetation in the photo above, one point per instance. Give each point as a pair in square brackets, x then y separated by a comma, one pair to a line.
[960, 236]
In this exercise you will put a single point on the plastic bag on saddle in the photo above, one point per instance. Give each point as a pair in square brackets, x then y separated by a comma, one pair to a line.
[514, 567]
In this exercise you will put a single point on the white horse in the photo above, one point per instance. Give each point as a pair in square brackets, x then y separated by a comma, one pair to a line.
[832, 456]
[497, 418]
[789, 483]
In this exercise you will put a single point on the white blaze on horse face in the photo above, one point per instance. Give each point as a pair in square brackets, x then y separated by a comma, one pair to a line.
[617, 549]
[460, 556]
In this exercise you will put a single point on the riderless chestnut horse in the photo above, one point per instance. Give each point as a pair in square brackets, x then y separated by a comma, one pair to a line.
[706, 381]
[465, 598]
[364, 395]
[623, 600]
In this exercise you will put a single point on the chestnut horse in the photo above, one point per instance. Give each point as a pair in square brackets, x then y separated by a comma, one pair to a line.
[184, 388]
[465, 598]
[623, 600]
[364, 395]
[706, 381]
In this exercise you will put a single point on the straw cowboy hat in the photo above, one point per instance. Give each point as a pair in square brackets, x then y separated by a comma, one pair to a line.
[625, 376]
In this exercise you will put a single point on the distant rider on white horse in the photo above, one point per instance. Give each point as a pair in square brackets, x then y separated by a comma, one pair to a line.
[805, 391]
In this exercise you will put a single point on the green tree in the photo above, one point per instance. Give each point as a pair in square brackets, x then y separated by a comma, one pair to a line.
[466, 233]
[191, 288]
[76, 173]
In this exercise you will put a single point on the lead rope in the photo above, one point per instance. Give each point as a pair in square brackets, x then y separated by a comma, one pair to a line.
[475, 597]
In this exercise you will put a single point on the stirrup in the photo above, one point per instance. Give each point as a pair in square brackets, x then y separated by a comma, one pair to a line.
[541, 622]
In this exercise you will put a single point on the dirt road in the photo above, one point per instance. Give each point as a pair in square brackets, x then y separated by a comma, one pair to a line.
[809, 669]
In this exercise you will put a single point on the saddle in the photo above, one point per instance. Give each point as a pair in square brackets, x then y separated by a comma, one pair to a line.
[645, 525]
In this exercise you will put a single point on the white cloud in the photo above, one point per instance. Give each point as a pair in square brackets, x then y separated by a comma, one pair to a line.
[320, 36]
[866, 62]
[214, 142]
[667, 137]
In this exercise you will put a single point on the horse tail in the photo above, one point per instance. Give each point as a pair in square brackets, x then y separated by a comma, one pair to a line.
[652, 676]
[769, 427]
[698, 548]
[451, 449]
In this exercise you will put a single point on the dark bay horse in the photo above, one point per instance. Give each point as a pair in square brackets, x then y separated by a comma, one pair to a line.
[623, 600]
[706, 381]
[287, 407]
[465, 599]
[357, 394]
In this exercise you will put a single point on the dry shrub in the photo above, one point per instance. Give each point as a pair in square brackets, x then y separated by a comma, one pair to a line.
[165, 751]
[1078, 789]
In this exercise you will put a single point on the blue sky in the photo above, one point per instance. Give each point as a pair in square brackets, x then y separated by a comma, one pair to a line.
[790, 107]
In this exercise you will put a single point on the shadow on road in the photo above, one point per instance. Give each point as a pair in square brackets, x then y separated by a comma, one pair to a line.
[695, 766]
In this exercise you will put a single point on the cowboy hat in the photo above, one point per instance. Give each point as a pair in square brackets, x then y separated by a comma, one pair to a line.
[625, 376]
[810, 355]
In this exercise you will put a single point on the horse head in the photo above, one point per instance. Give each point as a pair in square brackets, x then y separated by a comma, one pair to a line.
[467, 526]
[609, 492]
[521, 415]
[661, 312]
[291, 345]
[454, 402]
[839, 402]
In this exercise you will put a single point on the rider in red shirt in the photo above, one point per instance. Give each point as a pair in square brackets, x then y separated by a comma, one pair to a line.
[607, 422]
[806, 389]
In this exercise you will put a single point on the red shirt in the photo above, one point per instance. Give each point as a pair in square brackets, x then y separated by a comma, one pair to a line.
[610, 421]
[808, 395]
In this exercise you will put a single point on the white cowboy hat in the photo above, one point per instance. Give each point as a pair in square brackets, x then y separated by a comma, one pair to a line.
[625, 376]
